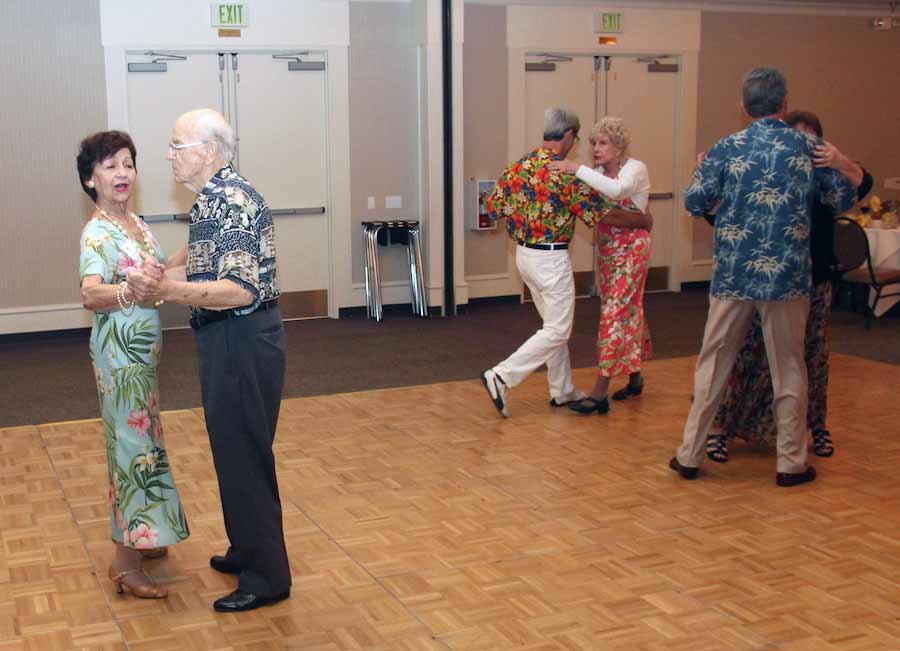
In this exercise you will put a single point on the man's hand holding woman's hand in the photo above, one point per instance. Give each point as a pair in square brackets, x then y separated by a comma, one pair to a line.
[146, 285]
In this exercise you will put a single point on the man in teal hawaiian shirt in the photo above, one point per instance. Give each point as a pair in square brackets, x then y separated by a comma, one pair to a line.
[763, 181]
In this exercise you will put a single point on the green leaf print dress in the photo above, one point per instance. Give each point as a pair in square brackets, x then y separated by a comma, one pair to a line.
[145, 509]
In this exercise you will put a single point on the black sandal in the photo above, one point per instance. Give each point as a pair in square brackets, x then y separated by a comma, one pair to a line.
[717, 448]
[628, 391]
[822, 445]
[589, 405]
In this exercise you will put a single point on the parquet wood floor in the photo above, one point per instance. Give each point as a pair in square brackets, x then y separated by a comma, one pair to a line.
[417, 519]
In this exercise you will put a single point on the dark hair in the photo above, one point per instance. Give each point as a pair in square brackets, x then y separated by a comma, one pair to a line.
[764, 90]
[808, 118]
[95, 149]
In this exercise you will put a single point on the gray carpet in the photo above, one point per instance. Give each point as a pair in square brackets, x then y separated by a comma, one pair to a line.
[47, 377]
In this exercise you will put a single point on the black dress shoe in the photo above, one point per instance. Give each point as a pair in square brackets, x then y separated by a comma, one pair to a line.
[787, 479]
[223, 565]
[239, 601]
[628, 391]
[589, 405]
[685, 471]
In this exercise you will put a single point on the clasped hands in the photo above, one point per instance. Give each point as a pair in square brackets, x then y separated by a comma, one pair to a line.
[147, 285]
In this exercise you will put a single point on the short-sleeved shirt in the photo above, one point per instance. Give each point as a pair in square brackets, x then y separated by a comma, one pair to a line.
[540, 205]
[232, 236]
[764, 182]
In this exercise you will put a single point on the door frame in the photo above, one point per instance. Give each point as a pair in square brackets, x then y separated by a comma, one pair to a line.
[337, 172]
[683, 268]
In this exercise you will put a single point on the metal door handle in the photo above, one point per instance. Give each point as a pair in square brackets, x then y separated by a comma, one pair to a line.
[317, 210]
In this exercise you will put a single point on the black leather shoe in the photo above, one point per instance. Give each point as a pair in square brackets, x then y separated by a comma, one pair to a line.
[786, 479]
[628, 391]
[223, 565]
[589, 405]
[239, 601]
[685, 471]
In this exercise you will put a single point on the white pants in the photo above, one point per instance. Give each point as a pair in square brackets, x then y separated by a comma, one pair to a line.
[548, 275]
[784, 330]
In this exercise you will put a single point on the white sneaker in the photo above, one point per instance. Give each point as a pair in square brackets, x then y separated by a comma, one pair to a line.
[562, 401]
[496, 390]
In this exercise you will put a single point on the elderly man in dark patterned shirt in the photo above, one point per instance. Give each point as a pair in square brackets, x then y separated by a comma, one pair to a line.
[230, 282]
[763, 181]
[540, 206]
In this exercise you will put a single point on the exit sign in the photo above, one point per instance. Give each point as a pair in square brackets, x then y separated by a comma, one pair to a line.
[229, 14]
[609, 22]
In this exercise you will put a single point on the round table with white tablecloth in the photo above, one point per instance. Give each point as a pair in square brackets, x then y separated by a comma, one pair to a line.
[884, 247]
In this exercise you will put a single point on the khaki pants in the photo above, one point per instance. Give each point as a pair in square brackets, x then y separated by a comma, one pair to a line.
[784, 328]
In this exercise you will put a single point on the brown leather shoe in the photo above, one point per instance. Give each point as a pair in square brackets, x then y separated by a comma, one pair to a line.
[142, 587]
[685, 471]
[787, 479]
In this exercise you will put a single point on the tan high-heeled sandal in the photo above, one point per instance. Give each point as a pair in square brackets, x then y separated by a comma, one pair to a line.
[140, 590]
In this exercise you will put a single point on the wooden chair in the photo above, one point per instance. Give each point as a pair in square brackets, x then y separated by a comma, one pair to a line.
[854, 263]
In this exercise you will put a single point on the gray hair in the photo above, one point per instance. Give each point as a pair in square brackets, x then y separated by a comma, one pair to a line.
[557, 121]
[764, 90]
[211, 126]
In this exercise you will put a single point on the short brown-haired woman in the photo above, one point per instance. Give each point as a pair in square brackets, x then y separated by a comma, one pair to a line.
[145, 510]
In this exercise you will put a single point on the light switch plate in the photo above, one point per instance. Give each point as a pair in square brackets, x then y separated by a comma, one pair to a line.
[393, 201]
[371, 203]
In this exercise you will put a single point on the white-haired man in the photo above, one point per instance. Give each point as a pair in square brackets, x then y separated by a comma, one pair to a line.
[230, 284]
[540, 207]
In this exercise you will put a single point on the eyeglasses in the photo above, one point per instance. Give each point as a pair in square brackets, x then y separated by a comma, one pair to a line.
[176, 147]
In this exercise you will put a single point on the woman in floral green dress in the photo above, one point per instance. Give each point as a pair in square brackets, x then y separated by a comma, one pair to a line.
[145, 510]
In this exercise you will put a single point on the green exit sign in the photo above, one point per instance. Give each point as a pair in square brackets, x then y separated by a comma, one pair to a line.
[609, 22]
[229, 14]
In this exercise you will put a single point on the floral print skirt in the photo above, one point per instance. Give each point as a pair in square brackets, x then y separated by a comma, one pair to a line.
[623, 339]
[145, 509]
[746, 409]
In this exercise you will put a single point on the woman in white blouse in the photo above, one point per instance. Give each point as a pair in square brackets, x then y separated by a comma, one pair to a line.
[623, 256]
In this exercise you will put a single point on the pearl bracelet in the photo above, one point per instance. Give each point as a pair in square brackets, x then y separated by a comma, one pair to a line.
[125, 307]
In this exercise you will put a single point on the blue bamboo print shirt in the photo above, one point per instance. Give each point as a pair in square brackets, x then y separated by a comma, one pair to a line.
[763, 180]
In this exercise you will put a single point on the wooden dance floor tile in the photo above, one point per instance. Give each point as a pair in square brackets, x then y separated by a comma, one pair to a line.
[417, 519]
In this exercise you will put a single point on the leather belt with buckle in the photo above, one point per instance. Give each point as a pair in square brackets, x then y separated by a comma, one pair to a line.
[205, 317]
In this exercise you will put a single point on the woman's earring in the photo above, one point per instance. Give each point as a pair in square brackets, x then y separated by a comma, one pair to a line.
[90, 184]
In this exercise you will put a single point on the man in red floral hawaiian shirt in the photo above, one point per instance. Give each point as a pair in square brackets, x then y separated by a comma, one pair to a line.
[540, 207]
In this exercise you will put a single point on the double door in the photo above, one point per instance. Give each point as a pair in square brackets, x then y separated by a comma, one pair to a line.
[276, 103]
[641, 91]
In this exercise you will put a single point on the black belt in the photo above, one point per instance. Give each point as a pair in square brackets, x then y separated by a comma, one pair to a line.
[205, 317]
[545, 247]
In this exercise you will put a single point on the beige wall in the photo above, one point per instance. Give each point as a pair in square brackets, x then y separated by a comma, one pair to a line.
[53, 96]
[485, 100]
[836, 66]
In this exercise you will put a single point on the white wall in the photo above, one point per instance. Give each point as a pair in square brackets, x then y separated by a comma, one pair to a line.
[52, 79]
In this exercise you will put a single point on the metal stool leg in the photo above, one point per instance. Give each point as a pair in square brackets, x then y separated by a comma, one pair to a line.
[368, 270]
[379, 305]
[413, 274]
[420, 275]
